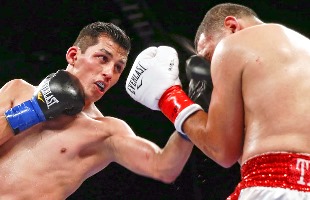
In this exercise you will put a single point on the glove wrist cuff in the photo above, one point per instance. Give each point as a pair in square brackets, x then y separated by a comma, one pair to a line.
[23, 116]
[184, 114]
[173, 101]
[177, 106]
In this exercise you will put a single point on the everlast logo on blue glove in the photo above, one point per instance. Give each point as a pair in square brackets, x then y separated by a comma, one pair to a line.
[44, 105]
[132, 85]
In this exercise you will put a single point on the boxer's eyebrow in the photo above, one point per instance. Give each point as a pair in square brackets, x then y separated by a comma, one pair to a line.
[123, 60]
[106, 51]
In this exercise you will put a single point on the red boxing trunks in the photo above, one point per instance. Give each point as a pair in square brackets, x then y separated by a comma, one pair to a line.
[274, 176]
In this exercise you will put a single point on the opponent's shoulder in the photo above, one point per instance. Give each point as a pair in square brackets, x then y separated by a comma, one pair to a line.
[267, 27]
[255, 37]
[247, 43]
[230, 51]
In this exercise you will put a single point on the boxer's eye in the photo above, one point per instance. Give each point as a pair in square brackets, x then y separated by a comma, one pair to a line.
[104, 58]
[119, 68]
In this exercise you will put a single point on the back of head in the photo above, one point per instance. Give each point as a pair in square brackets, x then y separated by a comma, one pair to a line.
[214, 18]
[89, 35]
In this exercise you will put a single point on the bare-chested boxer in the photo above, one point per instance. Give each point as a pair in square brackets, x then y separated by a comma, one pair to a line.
[50, 157]
[260, 105]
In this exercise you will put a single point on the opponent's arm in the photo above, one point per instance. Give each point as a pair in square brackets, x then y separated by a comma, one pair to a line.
[59, 93]
[222, 137]
[200, 82]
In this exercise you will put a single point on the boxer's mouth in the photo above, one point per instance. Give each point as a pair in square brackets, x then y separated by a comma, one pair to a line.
[100, 85]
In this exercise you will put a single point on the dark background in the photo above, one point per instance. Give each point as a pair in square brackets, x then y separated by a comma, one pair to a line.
[35, 36]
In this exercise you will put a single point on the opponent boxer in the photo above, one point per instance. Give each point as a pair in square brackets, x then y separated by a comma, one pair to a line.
[51, 158]
[259, 109]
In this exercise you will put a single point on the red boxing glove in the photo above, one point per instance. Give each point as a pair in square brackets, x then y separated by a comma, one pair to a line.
[177, 106]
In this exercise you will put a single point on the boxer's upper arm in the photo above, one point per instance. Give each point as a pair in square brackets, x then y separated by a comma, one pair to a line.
[144, 157]
[129, 150]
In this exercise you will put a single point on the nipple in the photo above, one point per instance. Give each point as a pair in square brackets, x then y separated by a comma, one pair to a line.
[63, 150]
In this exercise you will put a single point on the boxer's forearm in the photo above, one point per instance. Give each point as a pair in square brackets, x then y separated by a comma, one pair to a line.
[175, 155]
[6, 131]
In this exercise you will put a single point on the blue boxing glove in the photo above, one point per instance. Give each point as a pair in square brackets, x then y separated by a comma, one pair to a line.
[59, 93]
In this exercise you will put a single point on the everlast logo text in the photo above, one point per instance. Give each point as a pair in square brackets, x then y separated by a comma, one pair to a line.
[47, 95]
[132, 85]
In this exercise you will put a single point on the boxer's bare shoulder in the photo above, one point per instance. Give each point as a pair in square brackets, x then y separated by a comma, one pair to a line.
[14, 92]
[16, 87]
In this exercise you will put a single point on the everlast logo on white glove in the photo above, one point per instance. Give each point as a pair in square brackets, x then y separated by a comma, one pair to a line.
[133, 83]
[154, 70]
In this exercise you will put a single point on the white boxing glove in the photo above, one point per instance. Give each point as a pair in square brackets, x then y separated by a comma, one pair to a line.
[153, 72]
[154, 82]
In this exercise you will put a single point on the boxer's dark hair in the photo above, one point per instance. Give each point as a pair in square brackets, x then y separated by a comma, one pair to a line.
[213, 21]
[90, 34]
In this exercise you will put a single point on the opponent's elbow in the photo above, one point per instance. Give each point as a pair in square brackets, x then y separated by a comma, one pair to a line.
[227, 164]
[224, 157]
[168, 179]
[227, 159]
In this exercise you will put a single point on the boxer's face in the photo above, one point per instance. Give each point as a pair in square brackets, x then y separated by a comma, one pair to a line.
[100, 67]
[207, 43]
[206, 46]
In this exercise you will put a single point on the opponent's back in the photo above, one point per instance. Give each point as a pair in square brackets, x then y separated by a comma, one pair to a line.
[275, 90]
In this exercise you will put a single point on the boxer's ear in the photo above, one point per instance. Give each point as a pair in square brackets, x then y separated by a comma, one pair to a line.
[232, 24]
[71, 55]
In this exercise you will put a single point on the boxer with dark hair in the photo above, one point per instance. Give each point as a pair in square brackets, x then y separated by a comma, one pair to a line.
[259, 111]
[54, 137]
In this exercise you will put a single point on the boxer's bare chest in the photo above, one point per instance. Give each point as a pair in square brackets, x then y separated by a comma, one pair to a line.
[61, 140]
[54, 149]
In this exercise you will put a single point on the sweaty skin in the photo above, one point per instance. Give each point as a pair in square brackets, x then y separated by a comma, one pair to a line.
[52, 159]
[261, 97]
